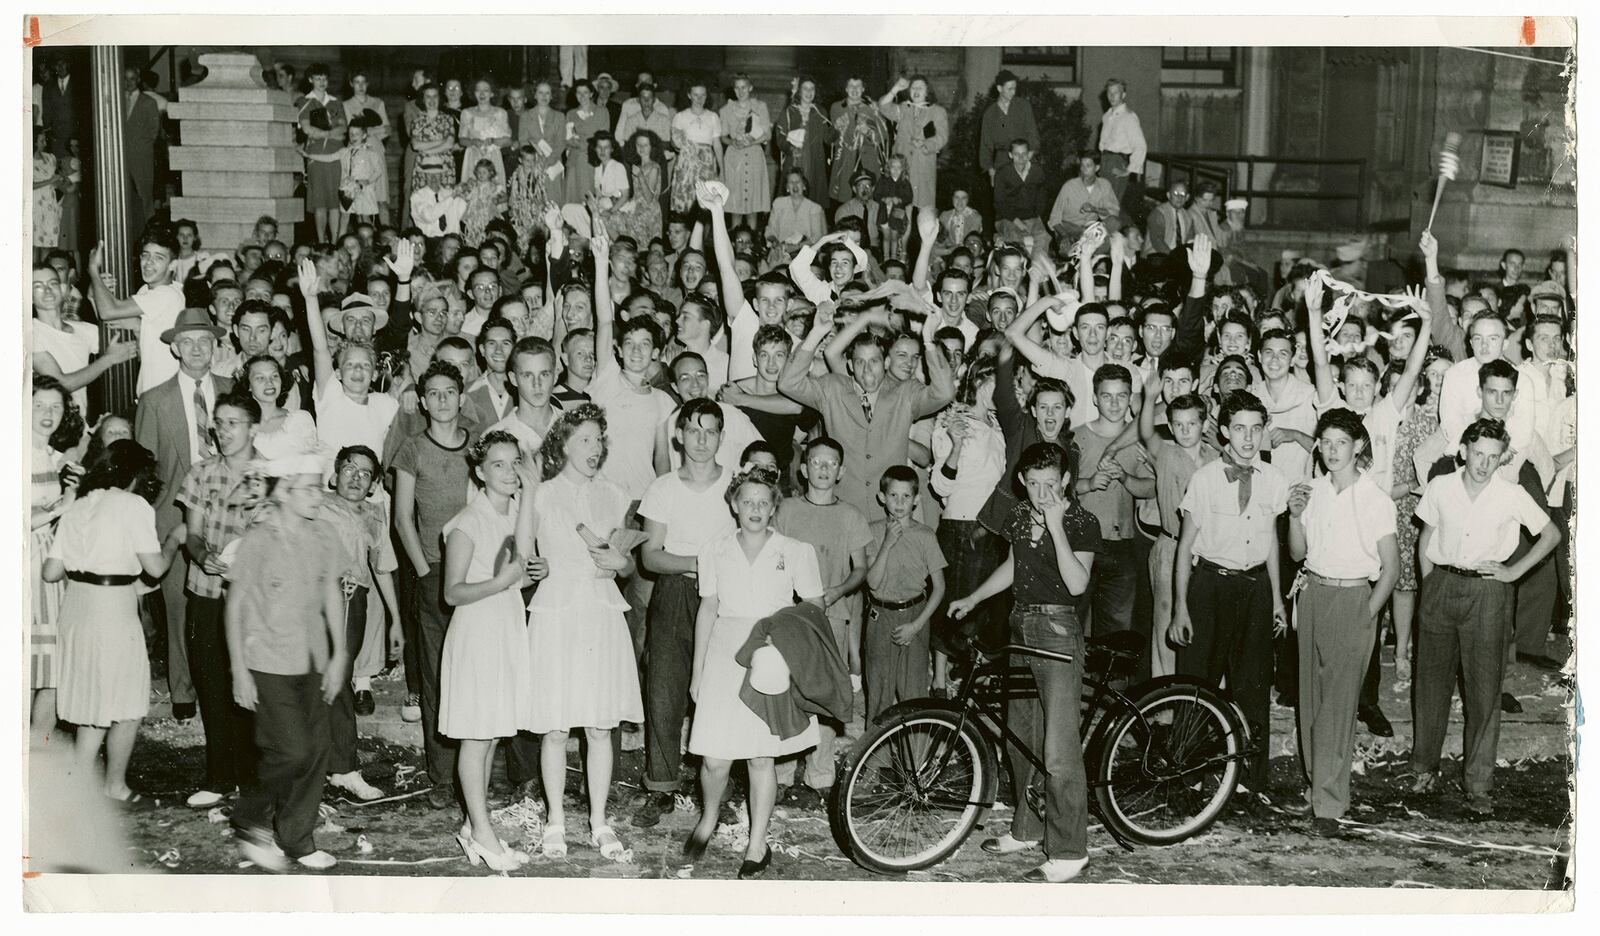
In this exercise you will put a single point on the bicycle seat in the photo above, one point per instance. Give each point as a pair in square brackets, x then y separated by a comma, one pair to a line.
[1120, 643]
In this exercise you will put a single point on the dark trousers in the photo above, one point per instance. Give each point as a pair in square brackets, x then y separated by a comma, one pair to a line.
[522, 749]
[669, 646]
[292, 735]
[1462, 629]
[972, 553]
[1144, 599]
[1113, 584]
[1285, 648]
[1369, 682]
[406, 588]
[1049, 726]
[432, 619]
[1537, 594]
[174, 601]
[1232, 641]
[342, 719]
[892, 673]
[230, 748]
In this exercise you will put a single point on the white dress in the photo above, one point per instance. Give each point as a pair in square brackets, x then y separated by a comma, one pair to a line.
[296, 436]
[584, 673]
[724, 727]
[478, 126]
[484, 683]
[104, 674]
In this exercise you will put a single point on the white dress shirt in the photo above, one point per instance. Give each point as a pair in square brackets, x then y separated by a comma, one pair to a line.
[1468, 532]
[1343, 527]
[1120, 132]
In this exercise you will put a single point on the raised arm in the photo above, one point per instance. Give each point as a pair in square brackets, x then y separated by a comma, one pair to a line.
[1317, 343]
[1191, 334]
[604, 316]
[108, 307]
[941, 388]
[322, 358]
[796, 381]
[722, 245]
[928, 228]
[1037, 354]
[1447, 330]
[1419, 348]
[800, 270]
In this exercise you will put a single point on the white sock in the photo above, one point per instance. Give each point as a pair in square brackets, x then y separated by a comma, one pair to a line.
[362, 684]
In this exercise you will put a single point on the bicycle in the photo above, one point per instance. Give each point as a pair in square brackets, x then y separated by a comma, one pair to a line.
[1163, 758]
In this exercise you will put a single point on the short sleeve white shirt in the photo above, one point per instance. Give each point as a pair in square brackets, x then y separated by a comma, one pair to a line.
[1468, 532]
[785, 567]
[1228, 536]
[104, 532]
[158, 311]
[693, 518]
[1343, 527]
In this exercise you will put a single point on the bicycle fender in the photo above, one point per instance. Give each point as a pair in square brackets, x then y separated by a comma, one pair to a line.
[916, 705]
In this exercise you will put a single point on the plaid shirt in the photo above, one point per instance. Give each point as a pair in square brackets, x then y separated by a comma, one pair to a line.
[213, 497]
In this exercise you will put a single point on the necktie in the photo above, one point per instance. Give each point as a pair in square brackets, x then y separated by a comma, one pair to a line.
[866, 405]
[1183, 232]
[202, 421]
[1238, 474]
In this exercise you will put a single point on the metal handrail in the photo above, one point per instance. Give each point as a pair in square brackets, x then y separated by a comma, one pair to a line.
[1223, 168]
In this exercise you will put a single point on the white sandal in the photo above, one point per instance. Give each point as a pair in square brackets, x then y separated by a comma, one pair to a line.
[553, 844]
[606, 840]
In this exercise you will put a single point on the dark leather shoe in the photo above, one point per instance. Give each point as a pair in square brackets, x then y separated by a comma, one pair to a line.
[754, 869]
[1509, 704]
[1375, 721]
[1327, 828]
[183, 711]
[365, 703]
[650, 811]
[1300, 807]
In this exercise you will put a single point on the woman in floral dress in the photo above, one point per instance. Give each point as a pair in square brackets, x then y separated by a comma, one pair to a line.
[804, 121]
[47, 185]
[433, 136]
[697, 136]
[861, 139]
[1421, 421]
[583, 122]
[746, 127]
[640, 216]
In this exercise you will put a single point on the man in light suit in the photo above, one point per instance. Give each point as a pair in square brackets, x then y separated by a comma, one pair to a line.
[141, 126]
[174, 421]
[1169, 225]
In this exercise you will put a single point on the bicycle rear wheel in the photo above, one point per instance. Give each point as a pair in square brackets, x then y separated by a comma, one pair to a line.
[1167, 771]
[912, 790]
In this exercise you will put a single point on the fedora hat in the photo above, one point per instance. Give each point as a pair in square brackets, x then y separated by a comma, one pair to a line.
[352, 302]
[192, 320]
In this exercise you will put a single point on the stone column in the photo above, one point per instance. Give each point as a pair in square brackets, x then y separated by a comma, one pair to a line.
[1259, 92]
[238, 156]
[113, 392]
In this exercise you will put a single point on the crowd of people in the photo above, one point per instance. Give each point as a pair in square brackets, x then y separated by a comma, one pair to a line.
[588, 432]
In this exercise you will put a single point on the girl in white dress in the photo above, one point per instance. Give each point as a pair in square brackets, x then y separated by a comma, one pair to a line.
[744, 576]
[584, 674]
[103, 542]
[484, 679]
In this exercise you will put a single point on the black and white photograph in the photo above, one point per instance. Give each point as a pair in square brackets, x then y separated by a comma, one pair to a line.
[898, 457]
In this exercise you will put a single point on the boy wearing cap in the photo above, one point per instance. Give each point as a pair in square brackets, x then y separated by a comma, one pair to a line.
[286, 640]
[861, 205]
[174, 421]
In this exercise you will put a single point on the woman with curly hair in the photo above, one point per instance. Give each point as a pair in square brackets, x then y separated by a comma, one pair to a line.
[744, 575]
[583, 669]
[485, 690]
[102, 544]
[640, 216]
[56, 426]
[583, 122]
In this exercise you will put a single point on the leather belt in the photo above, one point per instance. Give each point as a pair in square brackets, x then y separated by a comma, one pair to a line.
[1321, 579]
[896, 605]
[1226, 572]
[108, 581]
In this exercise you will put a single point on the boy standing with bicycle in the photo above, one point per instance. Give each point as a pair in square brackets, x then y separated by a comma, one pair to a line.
[1053, 544]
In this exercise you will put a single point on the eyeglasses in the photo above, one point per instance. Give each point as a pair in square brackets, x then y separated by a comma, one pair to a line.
[352, 471]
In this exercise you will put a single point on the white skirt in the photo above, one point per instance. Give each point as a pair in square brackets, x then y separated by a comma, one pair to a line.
[724, 727]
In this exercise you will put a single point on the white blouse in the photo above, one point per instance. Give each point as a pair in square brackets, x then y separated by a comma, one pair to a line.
[700, 129]
[105, 532]
[785, 567]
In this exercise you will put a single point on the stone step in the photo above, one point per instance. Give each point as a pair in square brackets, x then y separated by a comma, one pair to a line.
[205, 94]
[238, 184]
[245, 113]
[236, 158]
[236, 133]
[225, 235]
[207, 208]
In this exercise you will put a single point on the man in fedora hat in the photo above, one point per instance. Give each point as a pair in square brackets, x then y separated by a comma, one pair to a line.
[862, 205]
[174, 421]
[356, 320]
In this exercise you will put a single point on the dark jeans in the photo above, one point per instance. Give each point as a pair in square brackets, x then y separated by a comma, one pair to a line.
[669, 646]
[406, 593]
[1049, 726]
[1144, 599]
[1232, 641]
[1113, 587]
[1462, 628]
[972, 553]
[522, 749]
[1285, 648]
[292, 734]
[432, 619]
[342, 720]
[230, 750]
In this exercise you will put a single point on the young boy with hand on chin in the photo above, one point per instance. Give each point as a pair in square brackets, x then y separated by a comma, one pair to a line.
[905, 584]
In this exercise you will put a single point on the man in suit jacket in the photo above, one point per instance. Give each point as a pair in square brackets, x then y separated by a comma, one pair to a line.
[173, 421]
[61, 99]
[1169, 225]
[141, 125]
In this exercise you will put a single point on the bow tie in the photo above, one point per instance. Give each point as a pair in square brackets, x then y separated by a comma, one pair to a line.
[1240, 475]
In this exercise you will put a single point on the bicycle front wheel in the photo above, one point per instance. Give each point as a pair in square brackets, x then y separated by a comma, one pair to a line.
[1167, 770]
[912, 790]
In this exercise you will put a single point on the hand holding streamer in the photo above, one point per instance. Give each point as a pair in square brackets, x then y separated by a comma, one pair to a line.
[1449, 167]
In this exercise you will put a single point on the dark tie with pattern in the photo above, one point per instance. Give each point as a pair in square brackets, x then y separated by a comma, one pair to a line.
[202, 420]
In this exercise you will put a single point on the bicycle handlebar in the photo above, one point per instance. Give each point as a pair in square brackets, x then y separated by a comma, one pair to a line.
[1023, 650]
